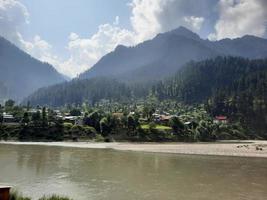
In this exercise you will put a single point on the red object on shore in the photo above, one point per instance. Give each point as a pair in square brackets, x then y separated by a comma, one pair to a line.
[221, 117]
[4, 192]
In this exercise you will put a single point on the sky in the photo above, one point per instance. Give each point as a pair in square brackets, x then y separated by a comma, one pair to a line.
[73, 35]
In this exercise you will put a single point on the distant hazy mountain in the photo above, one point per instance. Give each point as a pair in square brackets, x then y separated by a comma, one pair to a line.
[167, 52]
[21, 74]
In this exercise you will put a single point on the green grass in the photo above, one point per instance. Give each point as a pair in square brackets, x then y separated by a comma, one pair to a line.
[158, 127]
[54, 197]
[17, 196]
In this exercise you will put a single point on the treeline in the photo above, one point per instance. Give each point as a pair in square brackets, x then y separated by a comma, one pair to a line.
[198, 81]
[126, 123]
[79, 91]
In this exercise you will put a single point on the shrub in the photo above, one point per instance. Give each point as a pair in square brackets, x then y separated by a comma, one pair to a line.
[54, 197]
[99, 138]
[14, 195]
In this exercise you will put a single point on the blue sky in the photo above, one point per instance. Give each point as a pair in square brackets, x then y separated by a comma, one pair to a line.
[55, 23]
[73, 35]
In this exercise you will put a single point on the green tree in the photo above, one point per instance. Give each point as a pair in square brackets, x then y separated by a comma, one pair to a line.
[177, 126]
[105, 126]
[44, 117]
[1, 115]
[75, 112]
[9, 103]
[25, 119]
[36, 117]
[131, 123]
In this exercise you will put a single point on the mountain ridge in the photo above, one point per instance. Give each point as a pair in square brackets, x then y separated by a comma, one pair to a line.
[174, 49]
[22, 74]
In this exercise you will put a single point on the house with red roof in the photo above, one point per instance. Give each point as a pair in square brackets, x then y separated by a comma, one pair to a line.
[220, 119]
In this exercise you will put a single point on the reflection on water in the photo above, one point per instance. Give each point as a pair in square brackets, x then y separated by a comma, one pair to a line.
[86, 174]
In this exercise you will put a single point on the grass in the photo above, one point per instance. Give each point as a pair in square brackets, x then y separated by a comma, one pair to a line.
[54, 197]
[158, 127]
[14, 195]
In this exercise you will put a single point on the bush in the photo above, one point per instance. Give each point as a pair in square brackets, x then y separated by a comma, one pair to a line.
[99, 138]
[54, 197]
[67, 125]
[90, 131]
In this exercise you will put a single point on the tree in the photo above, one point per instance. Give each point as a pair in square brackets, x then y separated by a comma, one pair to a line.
[26, 118]
[51, 117]
[93, 120]
[9, 103]
[1, 118]
[1, 115]
[75, 112]
[36, 117]
[177, 126]
[44, 116]
[105, 126]
[28, 105]
[131, 123]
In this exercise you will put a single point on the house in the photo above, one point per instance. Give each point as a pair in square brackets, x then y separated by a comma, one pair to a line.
[220, 119]
[75, 120]
[162, 118]
[165, 118]
[9, 119]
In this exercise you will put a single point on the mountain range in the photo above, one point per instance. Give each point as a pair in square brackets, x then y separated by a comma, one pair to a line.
[150, 61]
[21, 74]
[163, 55]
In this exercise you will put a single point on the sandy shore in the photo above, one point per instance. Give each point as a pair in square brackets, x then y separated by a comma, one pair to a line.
[229, 148]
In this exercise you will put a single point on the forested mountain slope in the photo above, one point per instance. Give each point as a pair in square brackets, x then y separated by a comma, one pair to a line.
[21, 74]
[78, 91]
[198, 81]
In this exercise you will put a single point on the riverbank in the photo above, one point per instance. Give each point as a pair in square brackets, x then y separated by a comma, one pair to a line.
[255, 148]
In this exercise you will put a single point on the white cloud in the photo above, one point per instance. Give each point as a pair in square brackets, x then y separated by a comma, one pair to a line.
[194, 22]
[13, 15]
[85, 52]
[150, 17]
[240, 17]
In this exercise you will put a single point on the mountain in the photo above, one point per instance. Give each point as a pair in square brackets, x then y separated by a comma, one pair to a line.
[195, 82]
[21, 74]
[163, 55]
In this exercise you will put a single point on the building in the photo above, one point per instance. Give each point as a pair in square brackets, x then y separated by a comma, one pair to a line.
[164, 119]
[9, 119]
[75, 120]
[220, 119]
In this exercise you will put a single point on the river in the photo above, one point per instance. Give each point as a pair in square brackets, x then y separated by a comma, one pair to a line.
[104, 174]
